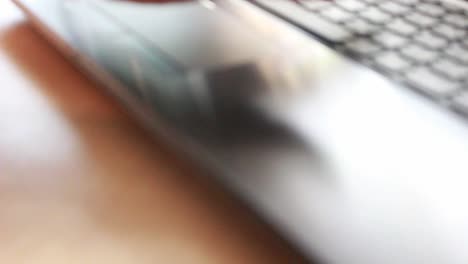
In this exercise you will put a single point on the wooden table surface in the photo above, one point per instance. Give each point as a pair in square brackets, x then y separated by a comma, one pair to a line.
[80, 182]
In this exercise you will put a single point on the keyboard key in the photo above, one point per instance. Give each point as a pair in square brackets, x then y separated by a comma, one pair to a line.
[391, 61]
[394, 8]
[372, 1]
[362, 47]
[402, 27]
[451, 6]
[458, 52]
[429, 9]
[458, 20]
[421, 20]
[450, 32]
[337, 14]
[430, 83]
[307, 19]
[375, 15]
[450, 68]
[419, 53]
[315, 5]
[352, 5]
[407, 2]
[390, 40]
[431, 40]
[361, 27]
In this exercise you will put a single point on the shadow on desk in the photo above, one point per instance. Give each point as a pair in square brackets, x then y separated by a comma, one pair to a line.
[83, 181]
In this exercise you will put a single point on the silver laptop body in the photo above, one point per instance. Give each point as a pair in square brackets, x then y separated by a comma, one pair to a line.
[352, 143]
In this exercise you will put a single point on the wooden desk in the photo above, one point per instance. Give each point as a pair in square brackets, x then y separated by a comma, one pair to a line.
[80, 182]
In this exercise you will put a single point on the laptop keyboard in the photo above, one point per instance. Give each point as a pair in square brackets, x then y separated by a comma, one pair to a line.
[421, 43]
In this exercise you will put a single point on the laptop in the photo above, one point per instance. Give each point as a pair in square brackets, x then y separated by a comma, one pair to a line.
[342, 123]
